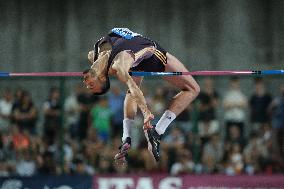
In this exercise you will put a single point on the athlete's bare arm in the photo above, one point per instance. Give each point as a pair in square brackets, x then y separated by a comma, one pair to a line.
[121, 65]
[99, 65]
[105, 47]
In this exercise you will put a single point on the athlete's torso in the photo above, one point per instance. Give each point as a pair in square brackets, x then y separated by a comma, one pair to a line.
[122, 39]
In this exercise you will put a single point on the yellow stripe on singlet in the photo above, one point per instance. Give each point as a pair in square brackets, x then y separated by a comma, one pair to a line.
[161, 56]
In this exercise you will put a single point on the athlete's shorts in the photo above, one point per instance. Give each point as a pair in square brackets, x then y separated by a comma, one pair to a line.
[154, 63]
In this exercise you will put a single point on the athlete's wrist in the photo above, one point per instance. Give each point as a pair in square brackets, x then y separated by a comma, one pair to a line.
[146, 112]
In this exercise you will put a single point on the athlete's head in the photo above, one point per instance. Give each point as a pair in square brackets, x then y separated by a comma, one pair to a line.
[98, 84]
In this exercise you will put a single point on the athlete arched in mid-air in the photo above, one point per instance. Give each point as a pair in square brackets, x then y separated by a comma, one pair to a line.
[122, 51]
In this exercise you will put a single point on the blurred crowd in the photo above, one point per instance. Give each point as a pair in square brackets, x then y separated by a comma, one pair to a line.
[224, 132]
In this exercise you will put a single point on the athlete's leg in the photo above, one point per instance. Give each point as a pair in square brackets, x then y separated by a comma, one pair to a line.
[130, 110]
[122, 64]
[189, 91]
[188, 85]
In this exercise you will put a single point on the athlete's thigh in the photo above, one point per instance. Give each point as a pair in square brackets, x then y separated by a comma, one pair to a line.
[182, 81]
[129, 58]
[123, 60]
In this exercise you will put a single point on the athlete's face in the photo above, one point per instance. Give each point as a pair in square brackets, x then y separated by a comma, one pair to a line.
[93, 83]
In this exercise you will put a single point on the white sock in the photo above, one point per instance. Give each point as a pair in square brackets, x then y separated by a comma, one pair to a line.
[165, 121]
[127, 124]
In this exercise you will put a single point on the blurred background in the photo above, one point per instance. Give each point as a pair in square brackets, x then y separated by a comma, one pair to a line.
[54, 126]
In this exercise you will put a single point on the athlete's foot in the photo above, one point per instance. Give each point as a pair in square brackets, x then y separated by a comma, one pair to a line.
[153, 142]
[121, 156]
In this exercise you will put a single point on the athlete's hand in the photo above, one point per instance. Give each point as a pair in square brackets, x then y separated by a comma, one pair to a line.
[148, 117]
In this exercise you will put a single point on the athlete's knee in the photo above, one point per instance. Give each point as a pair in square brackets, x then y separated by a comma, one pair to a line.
[129, 116]
[192, 87]
[197, 89]
[130, 113]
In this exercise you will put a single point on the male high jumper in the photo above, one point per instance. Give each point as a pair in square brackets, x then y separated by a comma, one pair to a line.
[122, 51]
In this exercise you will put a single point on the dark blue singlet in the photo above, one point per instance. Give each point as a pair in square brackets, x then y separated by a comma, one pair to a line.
[122, 39]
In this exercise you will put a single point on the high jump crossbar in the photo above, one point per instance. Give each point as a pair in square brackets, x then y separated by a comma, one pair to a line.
[193, 73]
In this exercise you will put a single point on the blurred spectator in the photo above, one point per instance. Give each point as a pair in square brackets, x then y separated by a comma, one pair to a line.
[36, 145]
[25, 113]
[234, 136]
[115, 102]
[259, 103]
[235, 163]
[46, 164]
[86, 101]
[17, 97]
[8, 149]
[277, 107]
[184, 164]
[4, 167]
[158, 103]
[212, 154]
[105, 164]
[80, 167]
[20, 140]
[52, 110]
[142, 152]
[25, 165]
[193, 144]
[182, 150]
[208, 101]
[183, 120]
[271, 161]
[235, 104]
[2, 148]
[101, 119]
[6, 103]
[173, 141]
[175, 138]
[72, 111]
[92, 146]
[64, 155]
[253, 153]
